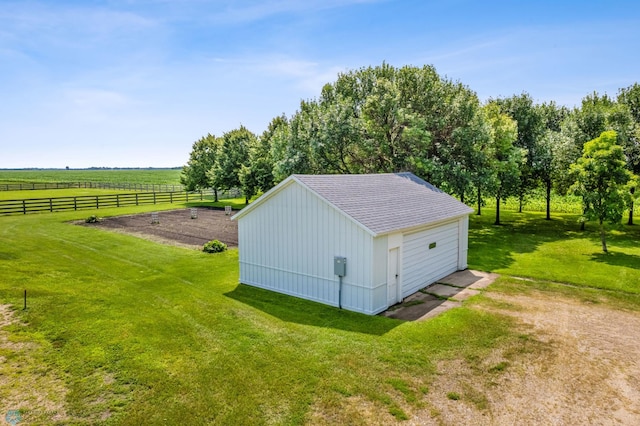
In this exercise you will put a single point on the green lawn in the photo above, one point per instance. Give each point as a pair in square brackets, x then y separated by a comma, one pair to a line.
[141, 333]
[56, 193]
[137, 176]
[527, 245]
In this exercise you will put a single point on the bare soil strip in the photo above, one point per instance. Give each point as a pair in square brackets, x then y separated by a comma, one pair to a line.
[582, 367]
[176, 227]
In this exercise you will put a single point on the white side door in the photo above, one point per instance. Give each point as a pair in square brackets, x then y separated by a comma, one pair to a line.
[393, 271]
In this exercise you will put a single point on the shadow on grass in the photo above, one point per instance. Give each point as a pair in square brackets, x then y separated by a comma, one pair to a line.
[620, 235]
[220, 205]
[491, 247]
[301, 311]
[617, 259]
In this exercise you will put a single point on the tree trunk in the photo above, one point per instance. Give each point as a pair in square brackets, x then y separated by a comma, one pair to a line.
[630, 222]
[602, 237]
[548, 200]
[462, 197]
[497, 222]
[479, 203]
[215, 195]
[583, 222]
[246, 200]
[521, 200]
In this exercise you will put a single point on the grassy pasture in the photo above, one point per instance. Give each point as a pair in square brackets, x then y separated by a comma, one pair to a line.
[56, 193]
[140, 333]
[137, 176]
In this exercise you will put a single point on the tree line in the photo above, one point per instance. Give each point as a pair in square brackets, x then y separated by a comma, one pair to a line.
[387, 119]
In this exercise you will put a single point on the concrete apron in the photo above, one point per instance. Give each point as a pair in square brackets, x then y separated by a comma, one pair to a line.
[447, 293]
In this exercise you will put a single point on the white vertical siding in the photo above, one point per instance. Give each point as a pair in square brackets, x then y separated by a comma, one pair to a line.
[379, 290]
[421, 265]
[290, 244]
[463, 242]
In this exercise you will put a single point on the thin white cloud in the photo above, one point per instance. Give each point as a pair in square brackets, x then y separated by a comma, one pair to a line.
[39, 26]
[309, 76]
[244, 11]
[552, 62]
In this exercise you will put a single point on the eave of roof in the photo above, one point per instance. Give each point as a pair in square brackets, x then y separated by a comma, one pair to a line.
[410, 203]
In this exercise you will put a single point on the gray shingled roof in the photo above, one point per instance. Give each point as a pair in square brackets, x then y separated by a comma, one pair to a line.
[386, 203]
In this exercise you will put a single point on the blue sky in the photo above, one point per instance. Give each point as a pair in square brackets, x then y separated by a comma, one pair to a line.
[133, 83]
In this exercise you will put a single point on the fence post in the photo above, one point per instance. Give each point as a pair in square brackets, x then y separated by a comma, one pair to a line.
[51, 204]
[97, 202]
[136, 198]
[24, 207]
[75, 203]
[201, 195]
[154, 198]
[171, 198]
[117, 200]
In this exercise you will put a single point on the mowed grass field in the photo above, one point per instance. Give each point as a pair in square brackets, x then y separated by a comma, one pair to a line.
[121, 330]
[57, 193]
[133, 176]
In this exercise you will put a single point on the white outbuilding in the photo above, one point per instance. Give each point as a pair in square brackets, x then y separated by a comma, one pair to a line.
[362, 242]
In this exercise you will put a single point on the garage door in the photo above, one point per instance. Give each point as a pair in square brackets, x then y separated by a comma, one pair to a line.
[428, 256]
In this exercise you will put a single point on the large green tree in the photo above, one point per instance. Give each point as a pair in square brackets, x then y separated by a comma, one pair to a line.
[531, 127]
[290, 147]
[555, 156]
[257, 176]
[505, 158]
[334, 132]
[601, 180]
[386, 119]
[233, 154]
[202, 158]
[599, 113]
[550, 149]
[629, 97]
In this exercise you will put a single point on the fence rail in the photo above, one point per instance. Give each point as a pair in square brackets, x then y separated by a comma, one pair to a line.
[34, 205]
[97, 185]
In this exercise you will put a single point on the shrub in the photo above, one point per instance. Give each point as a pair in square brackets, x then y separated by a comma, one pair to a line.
[92, 219]
[214, 246]
[454, 396]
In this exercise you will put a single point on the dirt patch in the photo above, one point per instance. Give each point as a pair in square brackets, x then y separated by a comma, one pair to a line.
[177, 227]
[29, 392]
[581, 365]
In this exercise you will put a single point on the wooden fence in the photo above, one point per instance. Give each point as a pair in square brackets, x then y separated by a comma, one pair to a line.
[84, 202]
[98, 185]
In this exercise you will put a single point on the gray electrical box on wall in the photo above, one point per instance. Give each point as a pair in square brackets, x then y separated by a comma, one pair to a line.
[340, 266]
